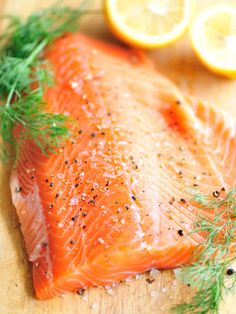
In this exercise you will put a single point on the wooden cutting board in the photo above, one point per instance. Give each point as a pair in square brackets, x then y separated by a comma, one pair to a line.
[179, 63]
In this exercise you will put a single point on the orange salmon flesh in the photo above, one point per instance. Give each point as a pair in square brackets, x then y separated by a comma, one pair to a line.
[113, 201]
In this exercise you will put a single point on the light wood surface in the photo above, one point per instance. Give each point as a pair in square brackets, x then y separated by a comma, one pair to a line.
[136, 296]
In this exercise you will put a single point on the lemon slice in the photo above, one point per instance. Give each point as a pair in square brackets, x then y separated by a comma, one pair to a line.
[213, 35]
[149, 23]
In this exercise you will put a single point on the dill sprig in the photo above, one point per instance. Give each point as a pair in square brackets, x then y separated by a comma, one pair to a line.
[214, 256]
[24, 75]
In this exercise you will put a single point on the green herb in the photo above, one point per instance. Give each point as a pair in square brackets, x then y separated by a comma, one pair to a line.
[21, 67]
[214, 257]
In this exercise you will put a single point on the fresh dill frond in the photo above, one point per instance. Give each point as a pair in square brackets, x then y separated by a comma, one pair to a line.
[24, 75]
[214, 256]
[24, 36]
[45, 129]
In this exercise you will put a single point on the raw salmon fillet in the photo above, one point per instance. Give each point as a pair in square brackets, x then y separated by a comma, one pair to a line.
[113, 202]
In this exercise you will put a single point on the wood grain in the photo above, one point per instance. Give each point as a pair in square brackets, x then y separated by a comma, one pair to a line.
[136, 296]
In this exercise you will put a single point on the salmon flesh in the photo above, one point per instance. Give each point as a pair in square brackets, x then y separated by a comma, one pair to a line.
[114, 201]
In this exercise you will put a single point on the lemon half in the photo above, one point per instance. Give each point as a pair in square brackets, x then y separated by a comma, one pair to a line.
[149, 23]
[213, 35]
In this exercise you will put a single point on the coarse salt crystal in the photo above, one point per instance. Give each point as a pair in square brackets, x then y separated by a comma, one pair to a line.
[85, 298]
[89, 76]
[74, 201]
[126, 95]
[164, 290]
[154, 272]
[154, 294]
[93, 306]
[61, 210]
[74, 84]
[177, 271]
[110, 291]
[138, 276]
[143, 245]
[100, 240]
[60, 225]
